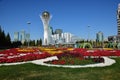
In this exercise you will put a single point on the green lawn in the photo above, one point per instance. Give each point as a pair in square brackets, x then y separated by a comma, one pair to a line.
[37, 72]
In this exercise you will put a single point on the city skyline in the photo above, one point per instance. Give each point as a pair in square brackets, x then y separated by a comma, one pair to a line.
[72, 16]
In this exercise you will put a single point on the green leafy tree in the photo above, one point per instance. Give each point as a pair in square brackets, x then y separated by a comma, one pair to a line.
[40, 42]
[32, 43]
[25, 43]
[16, 44]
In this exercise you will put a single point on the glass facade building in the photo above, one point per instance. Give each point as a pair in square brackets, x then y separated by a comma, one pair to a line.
[118, 18]
[22, 36]
[16, 36]
[59, 31]
[99, 37]
[27, 37]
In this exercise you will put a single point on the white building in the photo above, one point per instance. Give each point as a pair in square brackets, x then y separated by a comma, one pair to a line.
[67, 37]
[64, 38]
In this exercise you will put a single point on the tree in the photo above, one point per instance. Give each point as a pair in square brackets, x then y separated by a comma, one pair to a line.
[8, 40]
[25, 43]
[5, 41]
[16, 44]
[39, 42]
[32, 43]
[0, 36]
[0, 31]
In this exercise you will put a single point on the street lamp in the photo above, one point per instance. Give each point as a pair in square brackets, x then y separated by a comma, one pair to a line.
[88, 33]
[28, 33]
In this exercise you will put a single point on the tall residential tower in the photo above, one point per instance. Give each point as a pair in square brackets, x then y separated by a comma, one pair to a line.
[116, 38]
[16, 36]
[118, 18]
[99, 37]
[22, 36]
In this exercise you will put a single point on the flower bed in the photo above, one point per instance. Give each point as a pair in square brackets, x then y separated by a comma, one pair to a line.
[20, 55]
[65, 55]
[69, 58]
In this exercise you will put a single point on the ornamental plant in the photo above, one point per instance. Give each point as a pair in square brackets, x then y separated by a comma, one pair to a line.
[14, 55]
[68, 58]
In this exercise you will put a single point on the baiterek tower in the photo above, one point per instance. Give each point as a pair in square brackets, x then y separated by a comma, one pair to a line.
[45, 17]
[118, 18]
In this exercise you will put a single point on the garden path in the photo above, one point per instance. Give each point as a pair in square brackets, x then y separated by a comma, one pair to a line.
[107, 62]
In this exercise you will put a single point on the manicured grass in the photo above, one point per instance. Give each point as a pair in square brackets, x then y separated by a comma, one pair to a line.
[36, 72]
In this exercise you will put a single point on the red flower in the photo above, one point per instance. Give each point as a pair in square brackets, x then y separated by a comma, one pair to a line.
[62, 62]
[55, 62]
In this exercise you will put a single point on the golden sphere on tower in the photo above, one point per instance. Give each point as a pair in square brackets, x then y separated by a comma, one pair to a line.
[46, 14]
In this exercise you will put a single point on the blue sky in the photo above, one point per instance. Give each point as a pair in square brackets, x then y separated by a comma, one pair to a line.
[70, 15]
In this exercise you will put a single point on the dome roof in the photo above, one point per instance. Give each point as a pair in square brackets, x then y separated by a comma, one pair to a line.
[46, 14]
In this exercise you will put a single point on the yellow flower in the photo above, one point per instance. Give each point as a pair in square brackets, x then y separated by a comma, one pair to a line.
[70, 49]
[107, 48]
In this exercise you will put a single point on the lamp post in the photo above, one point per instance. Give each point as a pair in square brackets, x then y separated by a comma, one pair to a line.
[28, 33]
[88, 33]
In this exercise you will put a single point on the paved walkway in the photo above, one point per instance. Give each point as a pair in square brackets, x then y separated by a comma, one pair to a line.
[107, 62]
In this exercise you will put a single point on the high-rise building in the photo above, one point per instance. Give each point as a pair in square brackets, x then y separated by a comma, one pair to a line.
[51, 30]
[45, 17]
[116, 38]
[58, 31]
[22, 36]
[99, 37]
[118, 18]
[67, 37]
[27, 37]
[16, 36]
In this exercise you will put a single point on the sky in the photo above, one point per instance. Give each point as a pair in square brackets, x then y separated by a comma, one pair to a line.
[73, 16]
